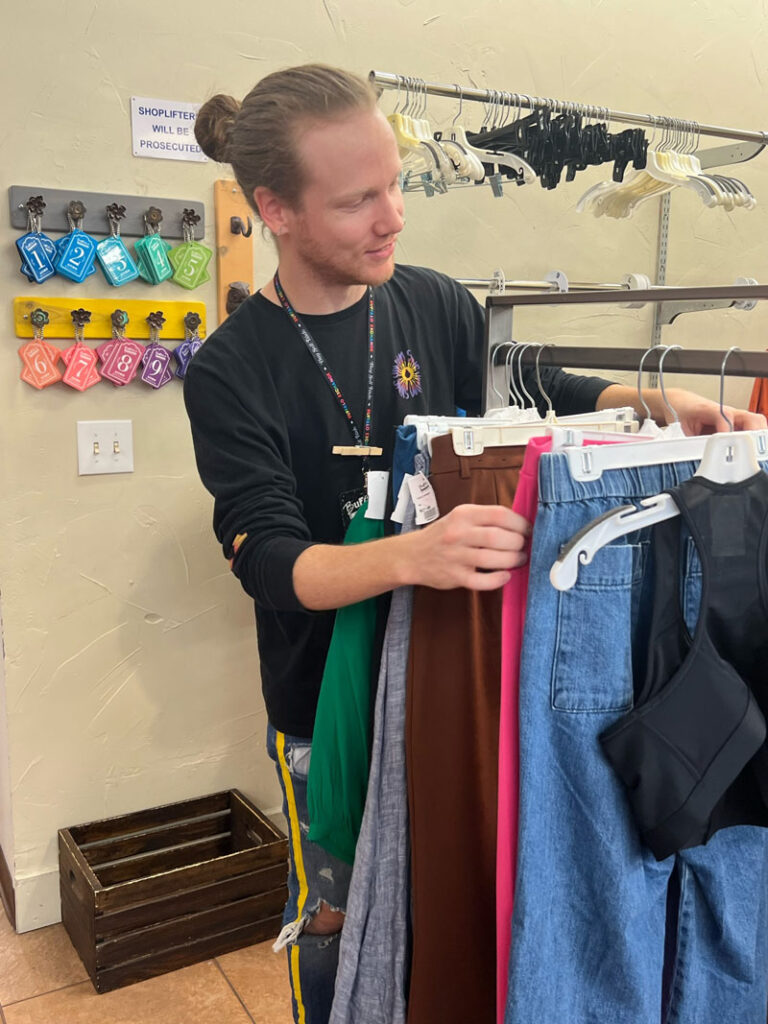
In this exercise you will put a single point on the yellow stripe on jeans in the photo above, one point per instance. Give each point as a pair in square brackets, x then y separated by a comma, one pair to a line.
[298, 860]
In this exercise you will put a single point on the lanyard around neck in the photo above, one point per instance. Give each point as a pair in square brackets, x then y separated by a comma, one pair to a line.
[322, 365]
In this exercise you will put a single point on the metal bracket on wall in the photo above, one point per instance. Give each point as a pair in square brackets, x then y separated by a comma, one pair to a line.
[715, 156]
[95, 222]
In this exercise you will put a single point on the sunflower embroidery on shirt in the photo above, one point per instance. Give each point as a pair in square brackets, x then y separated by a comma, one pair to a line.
[406, 375]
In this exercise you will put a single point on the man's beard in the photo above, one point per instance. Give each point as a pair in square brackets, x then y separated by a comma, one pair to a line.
[335, 273]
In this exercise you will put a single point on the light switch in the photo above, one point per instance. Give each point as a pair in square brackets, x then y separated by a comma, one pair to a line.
[104, 446]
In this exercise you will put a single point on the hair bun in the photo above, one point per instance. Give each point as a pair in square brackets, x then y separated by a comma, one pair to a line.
[213, 126]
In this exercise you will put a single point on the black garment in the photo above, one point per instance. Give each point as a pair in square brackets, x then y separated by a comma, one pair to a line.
[692, 753]
[264, 421]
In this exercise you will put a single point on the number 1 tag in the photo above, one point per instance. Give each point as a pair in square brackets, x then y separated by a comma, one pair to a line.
[36, 256]
[37, 251]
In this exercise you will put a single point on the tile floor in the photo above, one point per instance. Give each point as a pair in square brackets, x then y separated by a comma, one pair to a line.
[43, 982]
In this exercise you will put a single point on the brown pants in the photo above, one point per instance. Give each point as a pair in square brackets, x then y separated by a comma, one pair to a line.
[452, 741]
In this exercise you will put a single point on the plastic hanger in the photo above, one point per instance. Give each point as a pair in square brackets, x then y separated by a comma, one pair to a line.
[726, 458]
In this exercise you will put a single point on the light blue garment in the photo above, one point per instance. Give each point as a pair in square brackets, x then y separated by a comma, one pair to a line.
[589, 919]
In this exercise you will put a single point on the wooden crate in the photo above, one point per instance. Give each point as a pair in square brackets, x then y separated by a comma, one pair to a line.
[146, 893]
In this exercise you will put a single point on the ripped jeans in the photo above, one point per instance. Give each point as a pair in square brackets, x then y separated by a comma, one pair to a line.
[314, 877]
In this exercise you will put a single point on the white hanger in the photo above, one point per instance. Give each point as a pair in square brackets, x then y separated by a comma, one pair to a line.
[725, 458]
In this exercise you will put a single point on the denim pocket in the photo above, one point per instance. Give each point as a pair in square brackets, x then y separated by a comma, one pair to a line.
[592, 668]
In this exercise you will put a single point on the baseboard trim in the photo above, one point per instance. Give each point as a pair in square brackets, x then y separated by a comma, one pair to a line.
[7, 894]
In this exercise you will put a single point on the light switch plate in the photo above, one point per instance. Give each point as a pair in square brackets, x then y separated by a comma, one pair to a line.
[104, 446]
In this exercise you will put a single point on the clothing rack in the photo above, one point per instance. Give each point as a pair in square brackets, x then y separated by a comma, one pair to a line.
[498, 284]
[499, 323]
[388, 80]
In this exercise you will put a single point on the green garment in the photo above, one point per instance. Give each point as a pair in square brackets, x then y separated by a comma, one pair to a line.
[338, 768]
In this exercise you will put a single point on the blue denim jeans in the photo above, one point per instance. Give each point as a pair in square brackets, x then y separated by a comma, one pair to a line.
[314, 877]
[590, 904]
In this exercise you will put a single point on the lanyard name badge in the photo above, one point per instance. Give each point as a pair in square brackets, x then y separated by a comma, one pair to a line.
[349, 501]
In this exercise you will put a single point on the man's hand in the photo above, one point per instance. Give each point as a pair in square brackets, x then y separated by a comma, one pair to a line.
[701, 416]
[473, 546]
[697, 415]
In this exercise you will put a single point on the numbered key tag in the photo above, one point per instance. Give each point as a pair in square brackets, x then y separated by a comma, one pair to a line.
[50, 248]
[189, 346]
[77, 250]
[39, 357]
[152, 250]
[123, 362]
[156, 359]
[190, 259]
[116, 262]
[35, 248]
[81, 372]
[36, 257]
[122, 357]
[157, 369]
[61, 246]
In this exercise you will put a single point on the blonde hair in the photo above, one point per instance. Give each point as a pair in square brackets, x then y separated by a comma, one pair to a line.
[258, 136]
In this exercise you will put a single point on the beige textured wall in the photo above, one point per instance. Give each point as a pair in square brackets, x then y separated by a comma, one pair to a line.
[130, 666]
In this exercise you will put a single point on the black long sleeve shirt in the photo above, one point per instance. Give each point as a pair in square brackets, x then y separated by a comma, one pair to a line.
[264, 421]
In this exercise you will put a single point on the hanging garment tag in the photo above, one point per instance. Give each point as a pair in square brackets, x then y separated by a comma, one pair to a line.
[378, 484]
[424, 499]
[404, 501]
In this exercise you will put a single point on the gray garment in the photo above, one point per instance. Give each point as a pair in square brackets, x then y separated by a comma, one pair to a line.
[371, 979]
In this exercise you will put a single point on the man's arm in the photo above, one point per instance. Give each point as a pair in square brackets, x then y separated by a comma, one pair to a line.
[697, 415]
[473, 546]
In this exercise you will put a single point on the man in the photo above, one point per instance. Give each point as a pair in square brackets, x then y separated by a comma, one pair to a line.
[320, 164]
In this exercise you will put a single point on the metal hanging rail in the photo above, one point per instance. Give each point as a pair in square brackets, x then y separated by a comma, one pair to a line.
[499, 330]
[387, 80]
[493, 285]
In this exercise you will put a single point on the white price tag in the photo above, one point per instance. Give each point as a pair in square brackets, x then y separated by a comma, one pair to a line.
[403, 501]
[378, 482]
[424, 499]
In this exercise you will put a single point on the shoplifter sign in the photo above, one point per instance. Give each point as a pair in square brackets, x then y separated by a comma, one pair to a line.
[165, 129]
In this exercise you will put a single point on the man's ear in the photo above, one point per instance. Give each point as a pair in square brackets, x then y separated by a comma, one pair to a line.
[273, 210]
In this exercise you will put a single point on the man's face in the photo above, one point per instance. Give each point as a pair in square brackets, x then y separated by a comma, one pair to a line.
[351, 209]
